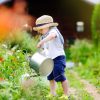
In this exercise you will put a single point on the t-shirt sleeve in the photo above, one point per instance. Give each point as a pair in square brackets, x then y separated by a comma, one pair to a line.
[55, 32]
[58, 35]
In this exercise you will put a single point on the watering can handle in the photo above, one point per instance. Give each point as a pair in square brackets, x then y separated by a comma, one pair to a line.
[39, 50]
[42, 51]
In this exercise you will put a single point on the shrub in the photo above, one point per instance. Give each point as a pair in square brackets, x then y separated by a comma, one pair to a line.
[96, 25]
[88, 54]
[81, 50]
[12, 64]
[24, 41]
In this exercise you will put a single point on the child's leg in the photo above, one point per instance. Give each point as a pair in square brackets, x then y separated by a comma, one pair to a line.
[65, 87]
[53, 87]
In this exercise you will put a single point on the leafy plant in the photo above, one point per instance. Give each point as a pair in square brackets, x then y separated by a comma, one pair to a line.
[12, 65]
[80, 51]
[96, 25]
[24, 41]
[88, 55]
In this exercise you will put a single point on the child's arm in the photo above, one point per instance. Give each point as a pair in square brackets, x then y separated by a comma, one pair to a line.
[48, 38]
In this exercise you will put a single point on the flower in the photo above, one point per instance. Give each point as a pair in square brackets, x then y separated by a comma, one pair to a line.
[1, 59]
[1, 79]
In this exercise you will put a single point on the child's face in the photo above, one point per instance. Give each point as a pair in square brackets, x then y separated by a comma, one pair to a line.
[43, 31]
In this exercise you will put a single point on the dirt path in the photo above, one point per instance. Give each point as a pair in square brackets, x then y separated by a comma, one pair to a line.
[91, 89]
[88, 87]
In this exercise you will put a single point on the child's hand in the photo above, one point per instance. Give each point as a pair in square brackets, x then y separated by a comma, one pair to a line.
[39, 45]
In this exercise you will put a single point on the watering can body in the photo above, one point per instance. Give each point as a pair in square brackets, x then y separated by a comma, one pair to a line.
[42, 65]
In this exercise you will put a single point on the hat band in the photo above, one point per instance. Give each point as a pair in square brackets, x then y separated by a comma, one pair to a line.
[42, 24]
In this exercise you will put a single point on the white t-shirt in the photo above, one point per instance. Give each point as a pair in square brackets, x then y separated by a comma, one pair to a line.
[54, 47]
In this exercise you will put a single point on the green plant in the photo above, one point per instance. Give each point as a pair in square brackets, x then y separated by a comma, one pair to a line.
[96, 25]
[80, 51]
[89, 56]
[67, 53]
[78, 87]
[91, 69]
[13, 64]
[24, 41]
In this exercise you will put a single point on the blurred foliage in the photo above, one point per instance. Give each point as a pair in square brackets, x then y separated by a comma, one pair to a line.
[78, 87]
[80, 51]
[24, 41]
[12, 63]
[96, 25]
[87, 57]
[67, 53]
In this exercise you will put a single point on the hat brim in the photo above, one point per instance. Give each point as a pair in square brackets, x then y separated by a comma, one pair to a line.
[44, 26]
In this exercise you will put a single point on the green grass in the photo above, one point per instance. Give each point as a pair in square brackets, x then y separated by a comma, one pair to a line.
[80, 92]
[88, 75]
[13, 64]
[73, 81]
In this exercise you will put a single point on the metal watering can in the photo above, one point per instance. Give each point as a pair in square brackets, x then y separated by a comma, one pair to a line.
[42, 65]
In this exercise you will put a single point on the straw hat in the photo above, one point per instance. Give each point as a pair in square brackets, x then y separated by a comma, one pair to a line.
[43, 22]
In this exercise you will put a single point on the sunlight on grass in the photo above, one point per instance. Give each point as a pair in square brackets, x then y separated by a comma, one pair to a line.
[79, 90]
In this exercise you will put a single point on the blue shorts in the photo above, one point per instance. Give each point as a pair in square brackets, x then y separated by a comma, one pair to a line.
[58, 71]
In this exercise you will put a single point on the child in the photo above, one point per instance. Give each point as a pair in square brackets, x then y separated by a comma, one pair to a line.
[52, 43]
